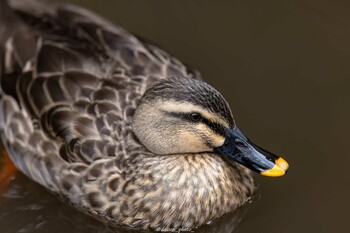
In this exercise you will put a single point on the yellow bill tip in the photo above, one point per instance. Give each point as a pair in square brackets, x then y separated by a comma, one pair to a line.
[280, 168]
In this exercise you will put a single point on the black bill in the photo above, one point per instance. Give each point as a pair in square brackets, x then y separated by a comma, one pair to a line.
[240, 149]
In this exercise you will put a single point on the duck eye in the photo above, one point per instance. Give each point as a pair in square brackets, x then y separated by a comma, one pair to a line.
[195, 117]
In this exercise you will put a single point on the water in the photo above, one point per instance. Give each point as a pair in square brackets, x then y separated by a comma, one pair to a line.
[284, 68]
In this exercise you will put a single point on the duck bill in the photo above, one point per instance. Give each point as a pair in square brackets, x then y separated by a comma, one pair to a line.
[239, 148]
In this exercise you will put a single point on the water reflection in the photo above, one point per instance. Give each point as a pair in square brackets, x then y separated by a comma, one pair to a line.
[27, 207]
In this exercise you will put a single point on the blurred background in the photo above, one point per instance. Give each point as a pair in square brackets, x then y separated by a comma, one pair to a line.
[284, 67]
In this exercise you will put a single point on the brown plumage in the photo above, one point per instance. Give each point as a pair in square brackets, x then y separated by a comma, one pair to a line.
[70, 85]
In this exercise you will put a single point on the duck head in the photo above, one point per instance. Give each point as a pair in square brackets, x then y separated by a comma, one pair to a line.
[181, 116]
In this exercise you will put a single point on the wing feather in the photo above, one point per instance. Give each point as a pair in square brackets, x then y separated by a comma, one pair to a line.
[78, 79]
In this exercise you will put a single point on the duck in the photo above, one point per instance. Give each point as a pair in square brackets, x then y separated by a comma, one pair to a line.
[116, 126]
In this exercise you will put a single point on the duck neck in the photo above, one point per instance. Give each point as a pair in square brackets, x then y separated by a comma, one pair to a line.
[189, 190]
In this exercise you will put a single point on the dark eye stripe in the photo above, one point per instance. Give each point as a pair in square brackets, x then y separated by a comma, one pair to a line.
[216, 127]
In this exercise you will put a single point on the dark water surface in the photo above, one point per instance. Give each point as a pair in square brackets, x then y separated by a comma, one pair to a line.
[284, 66]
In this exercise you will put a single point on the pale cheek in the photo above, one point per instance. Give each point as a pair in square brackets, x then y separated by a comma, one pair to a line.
[218, 140]
[215, 139]
[191, 143]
